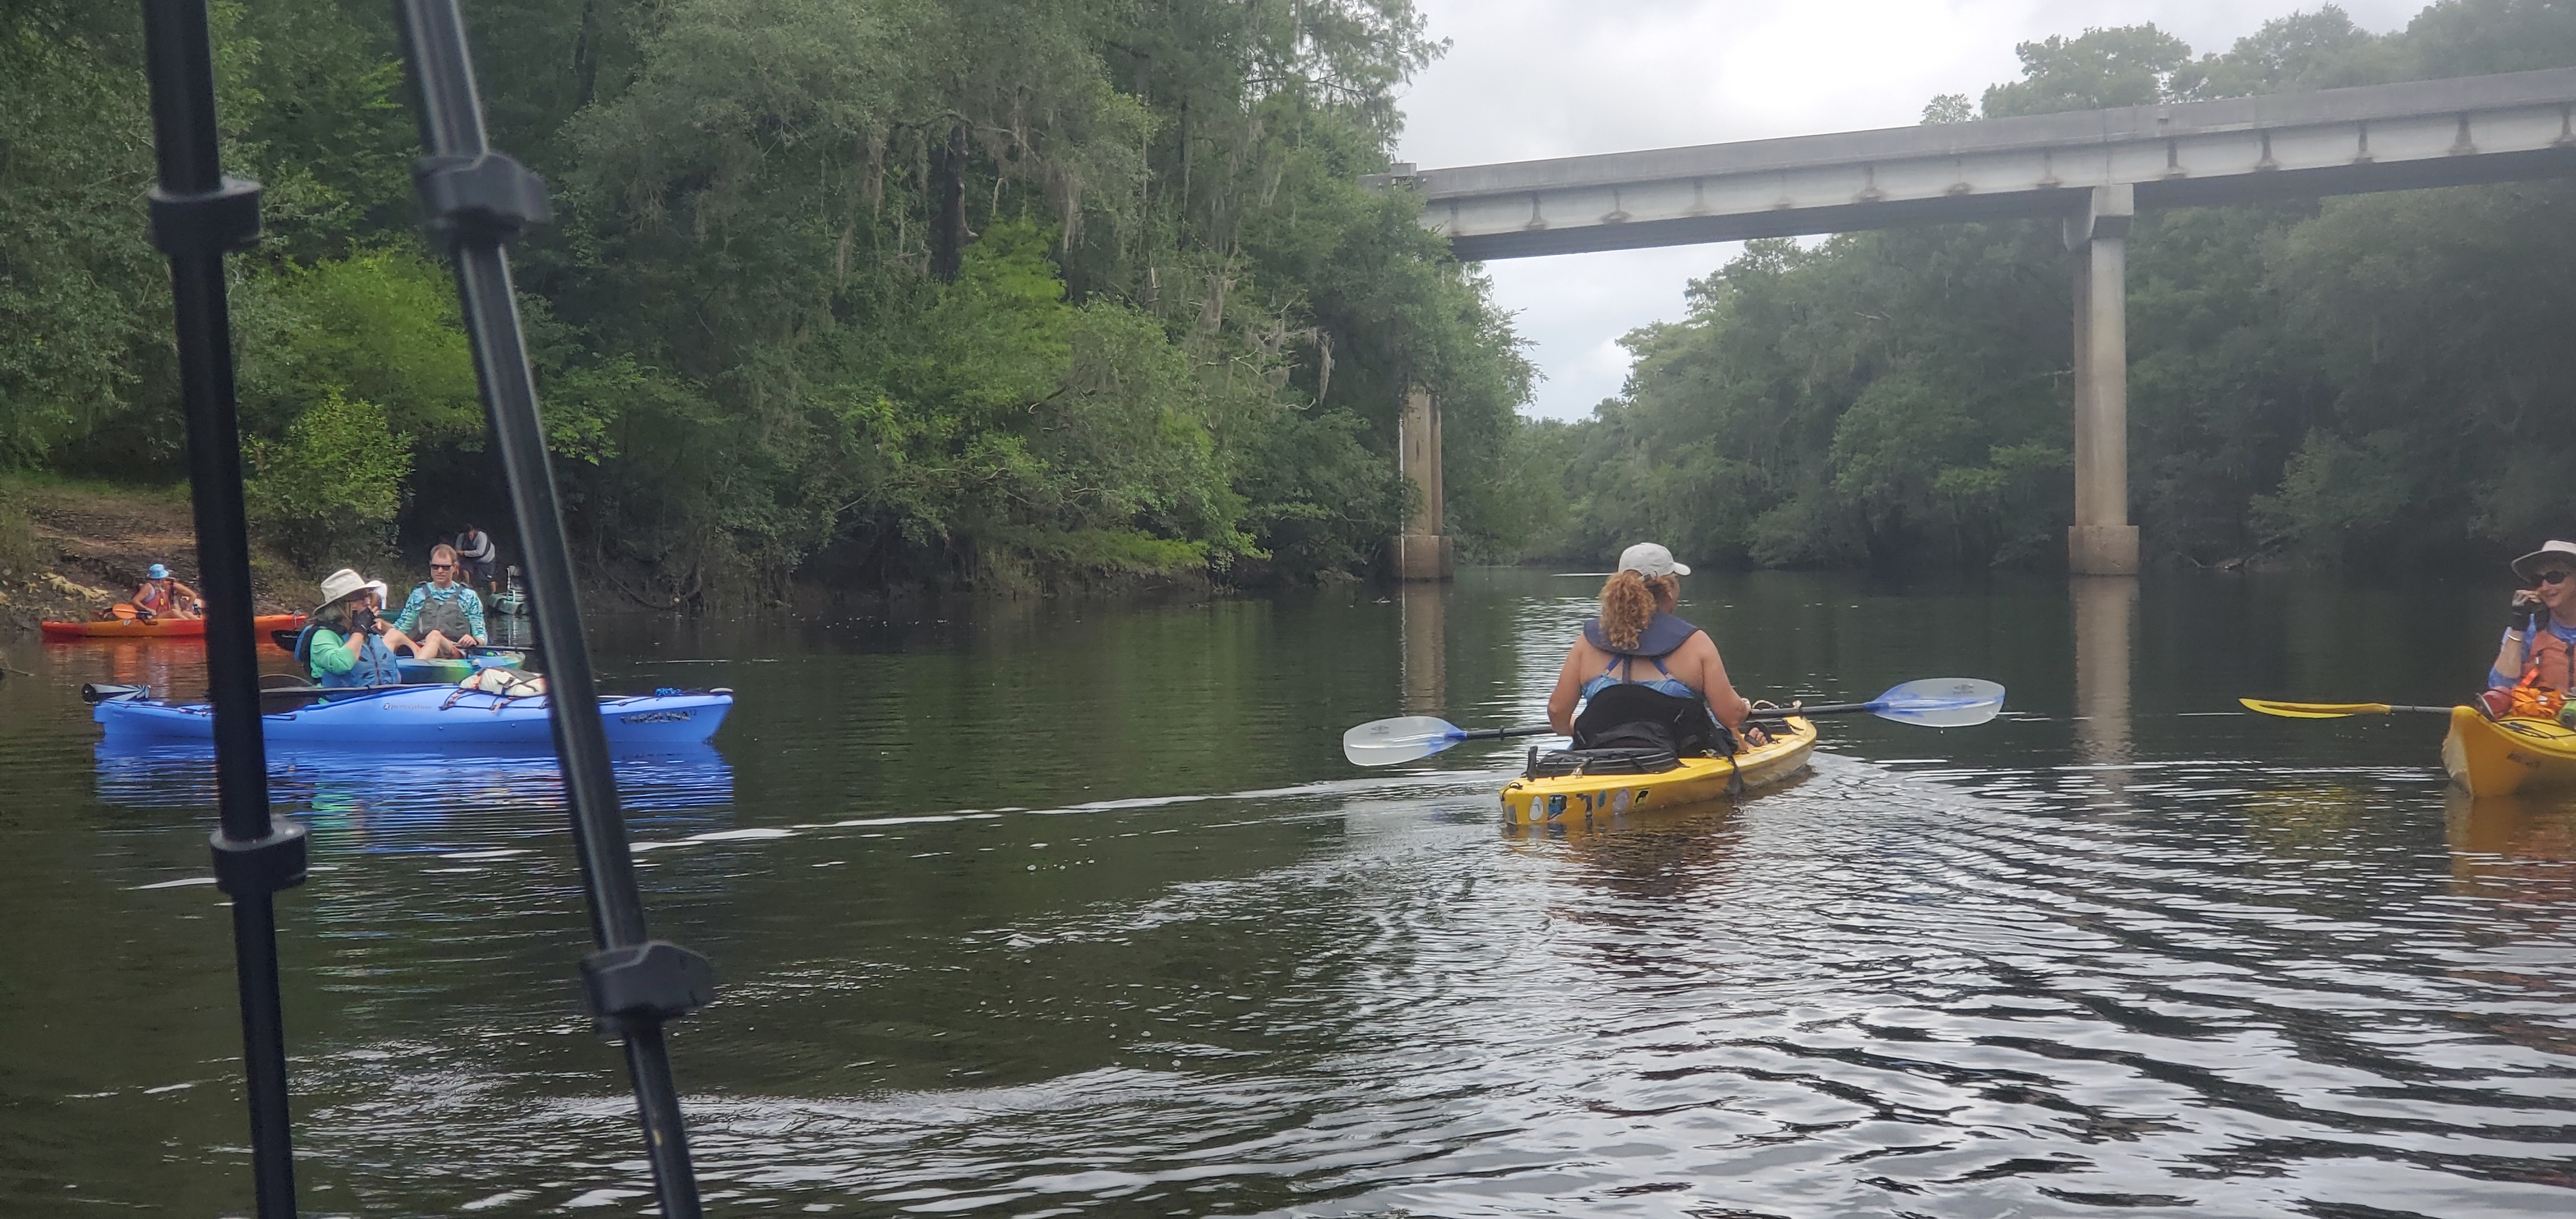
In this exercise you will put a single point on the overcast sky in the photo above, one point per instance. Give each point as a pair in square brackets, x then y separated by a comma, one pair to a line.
[1550, 78]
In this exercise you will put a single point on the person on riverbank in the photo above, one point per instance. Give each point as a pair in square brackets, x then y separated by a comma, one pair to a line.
[446, 616]
[2535, 666]
[1688, 705]
[346, 644]
[162, 595]
[475, 550]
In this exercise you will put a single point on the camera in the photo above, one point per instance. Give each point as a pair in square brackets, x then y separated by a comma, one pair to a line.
[365, 622]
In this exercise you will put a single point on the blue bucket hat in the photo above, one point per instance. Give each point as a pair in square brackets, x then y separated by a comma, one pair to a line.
[156, 572]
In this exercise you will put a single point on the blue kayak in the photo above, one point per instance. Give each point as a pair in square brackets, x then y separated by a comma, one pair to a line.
[429, 718]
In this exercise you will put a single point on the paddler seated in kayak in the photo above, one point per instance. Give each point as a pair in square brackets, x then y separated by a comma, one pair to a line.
[2535, 668]
[346, 645]
[445, 615]
[163, 596]
[1606, 670]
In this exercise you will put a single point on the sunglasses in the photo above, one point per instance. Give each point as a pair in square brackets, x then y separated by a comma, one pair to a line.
[442, 567]
[2552, 577]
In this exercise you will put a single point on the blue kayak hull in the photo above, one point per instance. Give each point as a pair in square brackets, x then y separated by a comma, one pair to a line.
[431, 719]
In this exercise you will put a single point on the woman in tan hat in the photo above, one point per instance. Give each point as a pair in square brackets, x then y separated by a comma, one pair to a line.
[2536, 666]
[346, 645]
[1687, 705]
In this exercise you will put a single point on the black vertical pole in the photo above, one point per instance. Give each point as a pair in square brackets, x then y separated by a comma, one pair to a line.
[197, 216]
[476, 200]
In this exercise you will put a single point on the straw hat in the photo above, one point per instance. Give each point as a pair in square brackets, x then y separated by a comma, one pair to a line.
[341, 583]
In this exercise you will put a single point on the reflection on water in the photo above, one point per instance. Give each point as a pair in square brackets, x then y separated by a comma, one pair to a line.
[2106, 611]
[385, 791]
[1426, 647]
[1043, 908]
[2520, 849]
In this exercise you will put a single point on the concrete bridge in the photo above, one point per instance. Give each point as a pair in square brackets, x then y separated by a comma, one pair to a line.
[2091, 170]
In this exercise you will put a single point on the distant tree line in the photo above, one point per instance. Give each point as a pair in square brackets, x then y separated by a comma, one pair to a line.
[865, 292]
[2383, 376]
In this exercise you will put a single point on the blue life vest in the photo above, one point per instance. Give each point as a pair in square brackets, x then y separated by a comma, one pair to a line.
[376, 665]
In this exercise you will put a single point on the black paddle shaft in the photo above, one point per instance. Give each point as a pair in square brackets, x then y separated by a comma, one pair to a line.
[198, 216]
[476, 200]
[1497, 734]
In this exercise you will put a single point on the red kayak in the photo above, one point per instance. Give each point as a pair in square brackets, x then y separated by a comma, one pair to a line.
[161, 628]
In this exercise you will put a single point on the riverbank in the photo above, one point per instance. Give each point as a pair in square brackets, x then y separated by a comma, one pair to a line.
[74, 547]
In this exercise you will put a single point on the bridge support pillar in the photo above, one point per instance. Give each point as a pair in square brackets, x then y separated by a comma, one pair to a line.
[1422, 551]
[2102, 541]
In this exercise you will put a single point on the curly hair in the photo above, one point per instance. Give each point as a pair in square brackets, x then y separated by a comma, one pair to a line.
[1629, 601]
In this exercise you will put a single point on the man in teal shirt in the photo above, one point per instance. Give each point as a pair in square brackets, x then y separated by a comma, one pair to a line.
[445, 616]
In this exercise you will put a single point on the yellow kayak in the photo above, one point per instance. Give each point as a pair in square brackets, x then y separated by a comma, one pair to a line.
[1581, 799]
[2501, 757]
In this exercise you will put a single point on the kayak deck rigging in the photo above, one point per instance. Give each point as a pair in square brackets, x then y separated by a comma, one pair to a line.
[1593, 789]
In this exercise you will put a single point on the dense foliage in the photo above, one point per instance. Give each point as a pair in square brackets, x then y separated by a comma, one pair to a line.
[859, 291]
[2374, 375]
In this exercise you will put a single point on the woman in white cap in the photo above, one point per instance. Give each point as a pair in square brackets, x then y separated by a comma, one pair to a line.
[2535, 669]
[346, 645]
[1672, 707]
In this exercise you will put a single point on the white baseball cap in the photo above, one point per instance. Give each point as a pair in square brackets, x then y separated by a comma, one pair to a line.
[1650, 560]
[2528, 566]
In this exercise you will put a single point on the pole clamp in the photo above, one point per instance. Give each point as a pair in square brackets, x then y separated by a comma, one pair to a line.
[206, 224]
[654, 980]
[260, 865]
[485, 198]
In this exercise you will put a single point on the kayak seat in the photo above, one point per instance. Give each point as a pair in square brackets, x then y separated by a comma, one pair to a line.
[1559, 763]
[1630, 716]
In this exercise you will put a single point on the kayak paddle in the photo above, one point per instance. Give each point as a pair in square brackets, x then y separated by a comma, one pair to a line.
[2334, 711]
[1387, 742]
[1935, 702]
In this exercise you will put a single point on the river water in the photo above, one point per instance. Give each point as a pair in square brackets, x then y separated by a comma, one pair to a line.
[1061, 906]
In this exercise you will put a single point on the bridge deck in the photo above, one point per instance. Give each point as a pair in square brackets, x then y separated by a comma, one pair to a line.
[2335, 141]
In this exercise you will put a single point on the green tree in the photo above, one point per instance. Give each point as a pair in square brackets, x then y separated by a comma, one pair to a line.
[328, 489]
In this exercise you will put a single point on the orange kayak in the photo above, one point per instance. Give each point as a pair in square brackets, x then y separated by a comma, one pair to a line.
[161, 628]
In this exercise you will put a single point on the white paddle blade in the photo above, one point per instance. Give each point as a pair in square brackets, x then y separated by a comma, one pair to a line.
[1942, 702]
[1387, 742]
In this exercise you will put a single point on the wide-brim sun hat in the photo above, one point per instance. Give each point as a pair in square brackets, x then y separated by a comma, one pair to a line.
[1651, 560]
[340, 584]
[2528, 566]
[156, 572]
